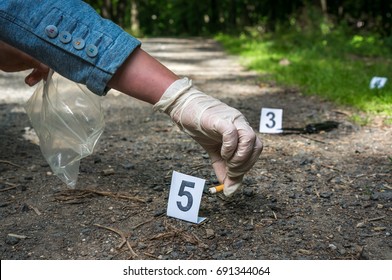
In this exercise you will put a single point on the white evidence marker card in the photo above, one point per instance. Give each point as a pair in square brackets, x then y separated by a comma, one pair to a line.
[378, 82]
[185, 197]
[271, 120]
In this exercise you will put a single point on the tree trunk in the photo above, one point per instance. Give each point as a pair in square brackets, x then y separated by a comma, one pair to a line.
[214, 16]
[135, 24]
[324, 6]
[107, 9]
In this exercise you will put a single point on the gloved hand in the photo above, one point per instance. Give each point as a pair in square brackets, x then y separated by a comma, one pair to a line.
[221, 130]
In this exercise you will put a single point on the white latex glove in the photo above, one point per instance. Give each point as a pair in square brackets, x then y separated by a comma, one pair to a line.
[221, 130]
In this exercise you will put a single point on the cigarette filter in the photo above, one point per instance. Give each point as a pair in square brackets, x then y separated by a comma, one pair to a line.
[217, 189]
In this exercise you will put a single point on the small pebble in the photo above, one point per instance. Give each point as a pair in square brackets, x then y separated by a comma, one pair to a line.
[379, 228]
[227, 254]
[24, 208]
[158, 188]
[238, 244]
[248, 192]
[342, 251]
[22, 188]
[210, 233]
[11, 240]
[325, 195]
[361, 225]
[249, 227]
[159, 212]
[128, 166]
[108, 172]
[33, 168]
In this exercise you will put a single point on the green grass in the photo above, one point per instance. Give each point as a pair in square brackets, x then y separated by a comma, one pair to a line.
[328, 63]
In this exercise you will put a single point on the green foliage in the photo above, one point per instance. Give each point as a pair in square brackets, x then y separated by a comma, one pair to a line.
[322, 59]
[118, 11]
[360, 120]
[164, 18]
[333, 52]
[193, 18]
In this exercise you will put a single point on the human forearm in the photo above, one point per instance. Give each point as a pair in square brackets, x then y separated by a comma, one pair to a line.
[13, 60]
[143, 77]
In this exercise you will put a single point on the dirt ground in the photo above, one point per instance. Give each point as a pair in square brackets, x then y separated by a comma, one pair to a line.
[310, 196]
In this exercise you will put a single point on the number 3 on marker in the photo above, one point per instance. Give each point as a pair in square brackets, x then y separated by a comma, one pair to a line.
[182, 192]
[271, 120]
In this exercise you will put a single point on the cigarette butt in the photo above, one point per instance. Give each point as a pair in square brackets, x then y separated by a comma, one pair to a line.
[217, 189]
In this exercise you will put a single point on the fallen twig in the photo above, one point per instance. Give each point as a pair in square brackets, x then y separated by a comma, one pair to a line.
[123, 237]
[17, 236]
[175, 232]
[315, 140]
[35, 209]
[331, 167]
[10, 163]
[75, 194]
[363, 224]
[143, 223]
[13, 186]
[164, 235]
[317, 192]
[151, 256]
[376, 219]
[117, 195]
[7, 189]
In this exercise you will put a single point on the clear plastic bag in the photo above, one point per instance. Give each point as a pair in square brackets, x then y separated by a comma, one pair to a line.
[68, 120]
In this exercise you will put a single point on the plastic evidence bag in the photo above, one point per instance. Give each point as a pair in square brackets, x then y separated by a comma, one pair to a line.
[68, 120]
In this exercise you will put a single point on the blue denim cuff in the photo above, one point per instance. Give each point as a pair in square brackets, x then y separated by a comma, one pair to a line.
[69, 37]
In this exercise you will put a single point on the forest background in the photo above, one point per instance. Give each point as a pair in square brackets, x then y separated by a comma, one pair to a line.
[330, 48]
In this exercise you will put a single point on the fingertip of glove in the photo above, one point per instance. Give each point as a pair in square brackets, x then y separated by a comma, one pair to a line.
[230, 190]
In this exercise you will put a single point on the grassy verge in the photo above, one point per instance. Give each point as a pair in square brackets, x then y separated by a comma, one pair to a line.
[328, 63]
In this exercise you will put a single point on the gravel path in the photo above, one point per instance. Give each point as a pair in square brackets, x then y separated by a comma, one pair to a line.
[318, 196]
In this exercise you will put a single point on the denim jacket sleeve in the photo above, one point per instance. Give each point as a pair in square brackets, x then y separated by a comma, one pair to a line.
[69, 37]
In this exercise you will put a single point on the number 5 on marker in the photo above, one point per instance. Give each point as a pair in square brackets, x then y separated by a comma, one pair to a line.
[182, 192]
[271, 120]
[185, 197]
